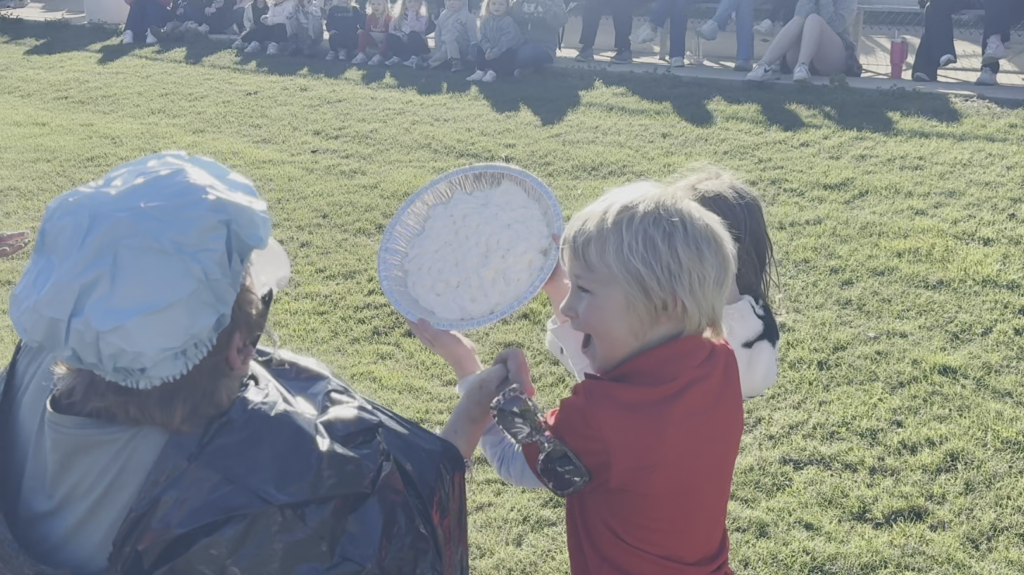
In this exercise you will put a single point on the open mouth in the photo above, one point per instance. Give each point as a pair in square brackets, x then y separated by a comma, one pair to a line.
[587, 341]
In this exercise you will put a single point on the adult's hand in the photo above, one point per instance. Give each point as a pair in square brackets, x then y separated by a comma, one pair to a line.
[514, 362]
[12, 243]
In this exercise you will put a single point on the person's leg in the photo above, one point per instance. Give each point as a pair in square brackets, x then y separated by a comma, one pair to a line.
[661, 11]
[505, 64]
[745, 31]
[724, 13]
[365, 41]
[450, 39]
[136, 20]
[279, 33]
[395, 46]
[787, 39]
[677, 31]
[417, 45]
[622, 19]
[937, 40]
[592, 12]
[822, 47]
[996, 30]
[482, 62]
[334, 42]
[532, 56]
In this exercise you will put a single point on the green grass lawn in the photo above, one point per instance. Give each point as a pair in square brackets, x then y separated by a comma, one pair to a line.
[894, 439]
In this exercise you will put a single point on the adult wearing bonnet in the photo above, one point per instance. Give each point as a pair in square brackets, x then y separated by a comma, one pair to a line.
[142, 430]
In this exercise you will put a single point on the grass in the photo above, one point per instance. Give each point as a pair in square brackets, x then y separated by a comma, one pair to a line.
[893, 442]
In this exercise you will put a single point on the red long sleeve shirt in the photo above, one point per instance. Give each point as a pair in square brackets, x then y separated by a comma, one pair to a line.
[660, 435]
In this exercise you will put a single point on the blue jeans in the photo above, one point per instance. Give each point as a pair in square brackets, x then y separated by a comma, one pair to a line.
[676, 11]
[744, 10]
[532, 56]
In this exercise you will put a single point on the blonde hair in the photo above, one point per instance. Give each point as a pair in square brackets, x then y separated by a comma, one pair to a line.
[183, 405]
[401, 10]
[384, 3]
[485, 10]
[672, 256]
[741, 211]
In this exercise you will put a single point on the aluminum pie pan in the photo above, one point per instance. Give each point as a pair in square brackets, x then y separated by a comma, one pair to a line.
[408, 223]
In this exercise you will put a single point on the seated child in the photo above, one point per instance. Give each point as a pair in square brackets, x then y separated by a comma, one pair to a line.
[222, 16]
[500, 38]
[343, 24]
[257, 32]
[644, 449]
[186, 15]
[375, 31]
[455, 33]
[407, 35]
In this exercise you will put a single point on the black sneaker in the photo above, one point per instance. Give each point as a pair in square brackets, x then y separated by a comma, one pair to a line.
[458, 66]
[585, 55]
[623, 57]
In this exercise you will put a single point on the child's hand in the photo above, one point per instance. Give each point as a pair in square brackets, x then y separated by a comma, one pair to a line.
[265, 19]
[489, 55]
[453, 347]
[557, 286]
[12, 243]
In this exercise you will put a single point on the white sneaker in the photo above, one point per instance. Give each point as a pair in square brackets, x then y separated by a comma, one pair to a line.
[709, 31]
[765, 27]
[995, 50]
[253, 48]
[645, 34]
[678, 62]
[359, 59]
[412, 62]
[273, 49]
[204, 29]
[128, 37]
[477, 76]
[801, 73]
[343, 54]
[946, 60]
[376, 60]
[922, 77]
[490, 76]
[987, 78]
[763, 73]
[238, 45]
[332, 55]
[394, 61]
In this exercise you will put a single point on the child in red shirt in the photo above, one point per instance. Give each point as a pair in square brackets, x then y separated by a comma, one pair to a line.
[657, 424]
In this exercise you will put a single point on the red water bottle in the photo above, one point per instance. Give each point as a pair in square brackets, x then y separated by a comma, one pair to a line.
[898, 56]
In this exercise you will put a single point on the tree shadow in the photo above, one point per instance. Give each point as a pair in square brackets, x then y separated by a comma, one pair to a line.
[54, 37]
[846, 107]
[551, 102]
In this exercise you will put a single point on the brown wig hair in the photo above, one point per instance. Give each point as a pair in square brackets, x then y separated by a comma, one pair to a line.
[183, 405]
[741, 210]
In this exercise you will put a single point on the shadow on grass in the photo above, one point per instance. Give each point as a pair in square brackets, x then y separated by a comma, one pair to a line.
[551, 94]
[54, 37]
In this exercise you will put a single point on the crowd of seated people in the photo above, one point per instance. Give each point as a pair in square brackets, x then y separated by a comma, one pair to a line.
[509, 38]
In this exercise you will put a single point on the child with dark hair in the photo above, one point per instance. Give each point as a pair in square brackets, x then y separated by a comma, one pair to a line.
[343, 23]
